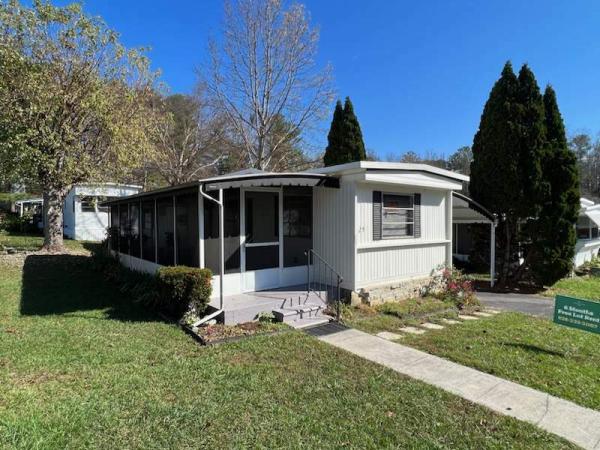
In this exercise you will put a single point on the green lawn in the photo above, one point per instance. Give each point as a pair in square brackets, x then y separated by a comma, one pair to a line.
[21, 241]
[82, 368]
[531, 351]
[582, 287]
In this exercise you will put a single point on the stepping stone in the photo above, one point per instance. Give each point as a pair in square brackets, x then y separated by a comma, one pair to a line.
[412, 330]
[492, 311]
[388, 336]
[466, 317]
[450, 321]
[482, 314]
[432, 326]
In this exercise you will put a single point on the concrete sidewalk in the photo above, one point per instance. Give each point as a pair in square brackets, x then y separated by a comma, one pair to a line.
[575, 423]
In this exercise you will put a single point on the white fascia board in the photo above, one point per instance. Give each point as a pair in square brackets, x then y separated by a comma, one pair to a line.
[411, 179]
[361, 166]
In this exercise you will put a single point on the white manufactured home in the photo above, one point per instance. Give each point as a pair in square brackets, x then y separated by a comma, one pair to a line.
[84, 218]
[359, 225]
[588, 238]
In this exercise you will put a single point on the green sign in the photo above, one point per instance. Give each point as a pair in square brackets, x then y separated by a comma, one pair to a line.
[577, 313]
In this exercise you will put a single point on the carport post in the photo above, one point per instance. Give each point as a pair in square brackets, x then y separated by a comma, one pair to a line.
[492, 252]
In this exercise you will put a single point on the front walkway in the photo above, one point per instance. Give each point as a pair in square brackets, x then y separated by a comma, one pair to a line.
[534, 305]
[575, 423]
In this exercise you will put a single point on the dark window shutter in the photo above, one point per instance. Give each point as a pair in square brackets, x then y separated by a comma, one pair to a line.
[377, 215]
[417, 215]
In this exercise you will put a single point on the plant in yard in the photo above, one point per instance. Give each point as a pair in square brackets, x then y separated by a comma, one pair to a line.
[345, 141]
[450, 284]
[266, 316]
[76, 105]
[182, 289]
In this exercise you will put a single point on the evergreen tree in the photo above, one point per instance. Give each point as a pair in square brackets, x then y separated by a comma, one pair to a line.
[345, 142]
[496, 180]
[554, 247]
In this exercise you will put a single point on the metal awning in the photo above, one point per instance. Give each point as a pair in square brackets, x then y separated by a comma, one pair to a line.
[593, 213]
[467, 210]
[242, 179]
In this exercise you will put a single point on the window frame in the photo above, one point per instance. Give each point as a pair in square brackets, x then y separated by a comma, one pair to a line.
[383, 208]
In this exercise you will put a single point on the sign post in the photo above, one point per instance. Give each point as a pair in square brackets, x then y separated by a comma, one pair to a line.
[577, 313]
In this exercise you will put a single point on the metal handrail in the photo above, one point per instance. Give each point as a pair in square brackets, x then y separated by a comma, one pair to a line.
[332, 273]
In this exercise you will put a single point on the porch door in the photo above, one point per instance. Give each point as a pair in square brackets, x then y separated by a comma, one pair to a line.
[262, 239]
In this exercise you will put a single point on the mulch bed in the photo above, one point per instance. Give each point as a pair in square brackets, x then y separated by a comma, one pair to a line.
[219, 333]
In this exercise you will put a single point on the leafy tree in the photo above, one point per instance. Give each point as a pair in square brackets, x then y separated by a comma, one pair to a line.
[265, 69]
[187, 139]
[73, 102]
[588, 157]
[496, 180]
[345, 142]
[460, 160]
[554, 245]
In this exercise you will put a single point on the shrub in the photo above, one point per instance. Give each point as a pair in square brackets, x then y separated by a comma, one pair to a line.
[182, 289]
[142, 287]
[452, 285]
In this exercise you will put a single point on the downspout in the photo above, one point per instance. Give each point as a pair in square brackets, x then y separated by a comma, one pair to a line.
[221, 240]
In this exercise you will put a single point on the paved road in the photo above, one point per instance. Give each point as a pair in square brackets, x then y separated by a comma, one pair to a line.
[528, 304]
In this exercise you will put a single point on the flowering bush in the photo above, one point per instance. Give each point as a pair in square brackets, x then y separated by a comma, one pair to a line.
[452, 285]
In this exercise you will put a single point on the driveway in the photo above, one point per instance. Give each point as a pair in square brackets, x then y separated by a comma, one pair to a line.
[534, 305]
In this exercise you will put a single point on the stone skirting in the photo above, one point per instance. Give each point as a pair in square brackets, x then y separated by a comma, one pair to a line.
[393, 292]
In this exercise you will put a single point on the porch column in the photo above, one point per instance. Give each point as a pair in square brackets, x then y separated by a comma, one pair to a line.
[449, 228]
[221, 248]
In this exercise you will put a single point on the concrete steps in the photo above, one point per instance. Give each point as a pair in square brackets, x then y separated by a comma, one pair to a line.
[293, 313]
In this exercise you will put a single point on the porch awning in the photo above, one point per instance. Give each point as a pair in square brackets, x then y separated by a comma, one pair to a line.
[467, 210]
[270, 179]
[594, 214]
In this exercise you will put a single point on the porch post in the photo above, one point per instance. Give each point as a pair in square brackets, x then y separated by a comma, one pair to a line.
[492, 253]
[221, 247]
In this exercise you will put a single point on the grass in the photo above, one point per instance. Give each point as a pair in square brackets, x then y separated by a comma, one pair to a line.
[587, 288]
[394, 315]
[531, 351]
[81, 367]
[33, 242]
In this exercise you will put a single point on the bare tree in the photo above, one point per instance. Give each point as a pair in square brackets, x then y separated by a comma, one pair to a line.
[187, 139]
[264, 75]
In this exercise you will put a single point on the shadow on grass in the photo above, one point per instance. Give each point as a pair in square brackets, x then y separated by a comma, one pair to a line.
[64, 284]
[533, 349]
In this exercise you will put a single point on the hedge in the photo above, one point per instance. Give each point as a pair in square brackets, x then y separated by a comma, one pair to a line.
[182, 288]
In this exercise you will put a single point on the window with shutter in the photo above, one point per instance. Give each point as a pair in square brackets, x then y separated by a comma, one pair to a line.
[396, 215]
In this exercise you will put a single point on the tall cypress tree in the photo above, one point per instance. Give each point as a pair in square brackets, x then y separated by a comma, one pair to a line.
[554, 247]
[496, 180]
[345, 143]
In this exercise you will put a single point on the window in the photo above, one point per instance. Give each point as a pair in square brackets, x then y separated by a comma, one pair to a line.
[134, 229]
[114, 227]
[231, 213]
[88, 203]
[148, 231]
[165, 231]
[397, 216]
[297, 225]
[187, 233]
[123, 229]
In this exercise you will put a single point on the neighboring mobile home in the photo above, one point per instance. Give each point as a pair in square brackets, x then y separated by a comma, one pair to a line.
[84, 217]
[378, 225]
[588, 239]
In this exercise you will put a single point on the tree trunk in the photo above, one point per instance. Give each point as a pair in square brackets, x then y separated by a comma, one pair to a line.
[53, 219]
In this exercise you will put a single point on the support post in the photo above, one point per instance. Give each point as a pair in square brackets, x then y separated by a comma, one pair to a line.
[492, 253]
[221, 239]
[221, 247]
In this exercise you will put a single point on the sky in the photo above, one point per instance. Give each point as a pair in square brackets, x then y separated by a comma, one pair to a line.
[418, 72]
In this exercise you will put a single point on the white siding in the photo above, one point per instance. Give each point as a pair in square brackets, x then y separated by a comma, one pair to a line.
[333, 231]
[383, 265]
[382, 261]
